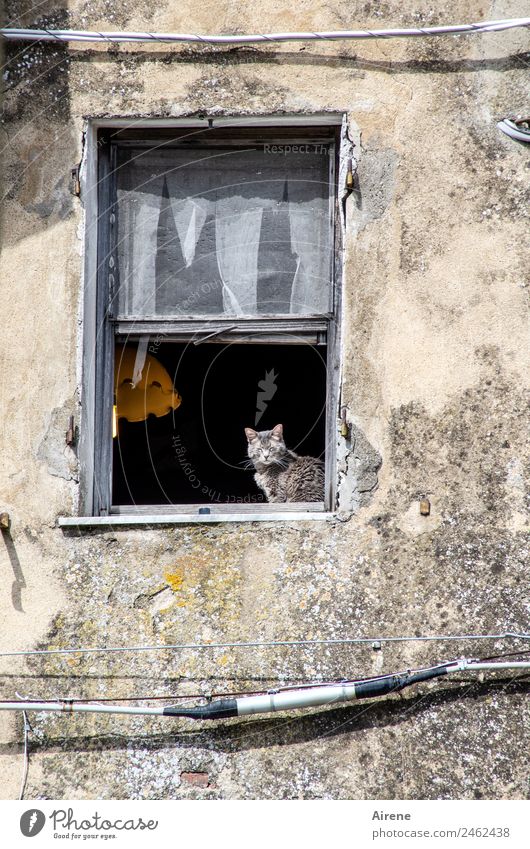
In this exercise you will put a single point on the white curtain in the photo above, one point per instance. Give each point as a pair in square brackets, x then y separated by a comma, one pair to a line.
[310, 241]
[190, 223]
[139, 212]
[237, 240]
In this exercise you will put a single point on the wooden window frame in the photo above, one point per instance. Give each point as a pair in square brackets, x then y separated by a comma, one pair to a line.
[101, 327]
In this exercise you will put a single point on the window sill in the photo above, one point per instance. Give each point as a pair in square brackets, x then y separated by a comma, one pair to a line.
[187, 519]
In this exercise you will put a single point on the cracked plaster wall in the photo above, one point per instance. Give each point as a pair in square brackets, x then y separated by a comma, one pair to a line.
[434, 370]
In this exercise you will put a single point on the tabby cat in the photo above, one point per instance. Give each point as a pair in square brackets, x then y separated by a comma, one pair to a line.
[280, 473]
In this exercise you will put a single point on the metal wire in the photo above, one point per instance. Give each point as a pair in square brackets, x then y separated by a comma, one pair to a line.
[302, 685]
[405, 679]
[514, 131]
[27, 728]
[95, 705]
[269, 644]
[239, 693]
[18, 34]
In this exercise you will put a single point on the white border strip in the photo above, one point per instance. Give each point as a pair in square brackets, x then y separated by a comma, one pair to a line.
[187, 518]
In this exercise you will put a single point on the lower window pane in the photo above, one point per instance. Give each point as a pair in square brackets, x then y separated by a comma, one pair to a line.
[182, 410]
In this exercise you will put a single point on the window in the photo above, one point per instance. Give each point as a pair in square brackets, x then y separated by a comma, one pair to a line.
[215, 311]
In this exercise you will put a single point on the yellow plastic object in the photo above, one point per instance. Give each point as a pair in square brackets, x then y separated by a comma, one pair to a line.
[153, 394]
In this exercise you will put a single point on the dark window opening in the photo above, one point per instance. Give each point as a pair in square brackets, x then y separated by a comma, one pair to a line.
[197, 452]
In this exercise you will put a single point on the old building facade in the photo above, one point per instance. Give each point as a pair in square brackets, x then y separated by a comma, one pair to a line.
[426, 400]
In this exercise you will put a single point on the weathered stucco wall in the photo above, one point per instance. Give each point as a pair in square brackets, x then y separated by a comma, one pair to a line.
[435, 354]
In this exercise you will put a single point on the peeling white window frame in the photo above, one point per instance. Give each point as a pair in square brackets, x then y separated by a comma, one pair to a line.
[95, 447]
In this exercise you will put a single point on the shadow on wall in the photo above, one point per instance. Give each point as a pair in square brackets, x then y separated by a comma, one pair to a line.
[19, 582]
[255, 56]
[36, 136]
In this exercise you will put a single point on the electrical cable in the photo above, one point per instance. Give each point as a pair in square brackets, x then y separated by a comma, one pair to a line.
[274, 701]
[298, 686]
[25, 768]
[288, 696]
[506, 654]
[241, 693]
[236, 694]
[515, 130]
[21, 34]
[269, 644]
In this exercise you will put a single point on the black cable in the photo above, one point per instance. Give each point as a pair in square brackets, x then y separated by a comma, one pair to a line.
[372, 685]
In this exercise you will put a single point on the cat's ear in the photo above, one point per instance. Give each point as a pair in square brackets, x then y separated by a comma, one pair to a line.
[251, 434]
[277, 432]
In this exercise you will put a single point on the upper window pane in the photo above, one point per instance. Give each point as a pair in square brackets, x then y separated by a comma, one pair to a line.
[224, 230]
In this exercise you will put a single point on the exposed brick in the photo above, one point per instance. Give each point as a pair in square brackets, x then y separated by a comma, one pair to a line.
[198, 779]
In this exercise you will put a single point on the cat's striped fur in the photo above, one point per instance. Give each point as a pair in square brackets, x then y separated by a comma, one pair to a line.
[280, 473]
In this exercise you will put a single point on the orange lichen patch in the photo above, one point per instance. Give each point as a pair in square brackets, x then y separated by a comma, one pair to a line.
[174, 580]
[189, 561]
